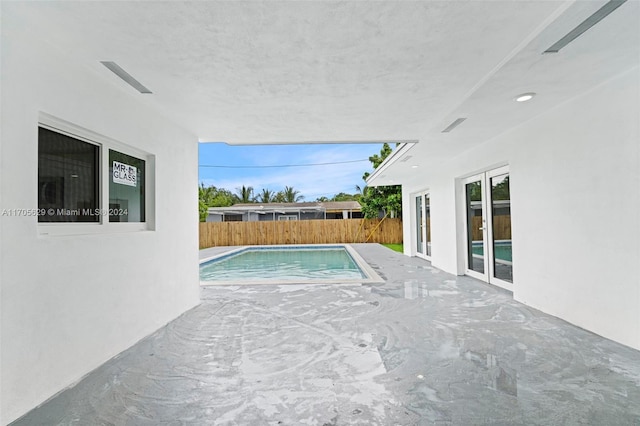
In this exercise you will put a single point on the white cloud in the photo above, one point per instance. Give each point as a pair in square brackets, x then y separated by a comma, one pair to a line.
[312, 182]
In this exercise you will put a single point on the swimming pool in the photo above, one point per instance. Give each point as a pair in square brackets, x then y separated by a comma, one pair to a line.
[502, 250]
[287, 264]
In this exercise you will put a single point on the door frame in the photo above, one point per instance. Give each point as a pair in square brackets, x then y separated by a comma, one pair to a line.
[414, 238]
[487, 227]
[481, 177]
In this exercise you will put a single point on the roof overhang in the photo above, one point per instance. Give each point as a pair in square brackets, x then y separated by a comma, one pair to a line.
[607, 49]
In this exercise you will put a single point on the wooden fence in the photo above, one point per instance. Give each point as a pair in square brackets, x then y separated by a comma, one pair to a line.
[214, 234]
[501, 227]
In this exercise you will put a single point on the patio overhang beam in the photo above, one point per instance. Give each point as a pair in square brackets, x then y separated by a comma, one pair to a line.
[391, 159]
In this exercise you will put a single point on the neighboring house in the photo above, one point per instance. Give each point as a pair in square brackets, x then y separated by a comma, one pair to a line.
[258, 212]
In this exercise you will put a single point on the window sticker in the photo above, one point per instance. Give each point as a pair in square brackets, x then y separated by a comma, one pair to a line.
[125, 174]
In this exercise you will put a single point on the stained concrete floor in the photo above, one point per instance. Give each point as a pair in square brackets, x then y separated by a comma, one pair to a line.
[425, 348]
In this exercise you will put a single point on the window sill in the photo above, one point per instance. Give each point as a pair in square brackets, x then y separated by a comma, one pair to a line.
[72, 229]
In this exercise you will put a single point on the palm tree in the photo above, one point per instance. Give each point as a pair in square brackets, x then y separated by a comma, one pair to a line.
[279, 197]
[245, 194]
[290, 195]
[361, 191]
[266, 196]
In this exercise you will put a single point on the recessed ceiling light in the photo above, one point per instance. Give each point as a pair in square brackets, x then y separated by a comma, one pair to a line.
[525, 97]
[415, 166]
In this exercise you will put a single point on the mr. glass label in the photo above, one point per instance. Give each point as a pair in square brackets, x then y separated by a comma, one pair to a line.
[125, 174]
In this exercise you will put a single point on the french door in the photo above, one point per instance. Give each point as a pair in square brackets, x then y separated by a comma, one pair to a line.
[488, 227]
[423, 225]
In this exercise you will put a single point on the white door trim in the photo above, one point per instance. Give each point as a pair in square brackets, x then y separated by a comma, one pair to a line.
[414, 238]
[487, 226]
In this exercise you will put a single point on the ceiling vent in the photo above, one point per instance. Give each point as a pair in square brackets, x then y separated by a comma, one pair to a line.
[455, 124]
[598, 16]
[117, 70]
[407, 158]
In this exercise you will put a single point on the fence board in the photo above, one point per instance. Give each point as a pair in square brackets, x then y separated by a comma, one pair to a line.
[501, 227]
[386, 231]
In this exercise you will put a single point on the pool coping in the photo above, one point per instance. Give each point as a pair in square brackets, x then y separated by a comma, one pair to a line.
[372, 275]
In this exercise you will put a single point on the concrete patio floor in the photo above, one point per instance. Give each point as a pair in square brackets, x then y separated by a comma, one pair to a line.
[425, 348]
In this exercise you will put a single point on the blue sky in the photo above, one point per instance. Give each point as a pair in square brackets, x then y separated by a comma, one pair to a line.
[311, 181]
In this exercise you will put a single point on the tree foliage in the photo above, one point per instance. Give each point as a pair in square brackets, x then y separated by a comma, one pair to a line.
[290, 195]
[220, 197]
[341, 196]
[213, 197]
[245, 194]
[376, 159]
[499, 190]
[266, 196]
[387, 199]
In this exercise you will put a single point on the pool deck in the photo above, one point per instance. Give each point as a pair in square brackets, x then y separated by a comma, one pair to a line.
[424, 348]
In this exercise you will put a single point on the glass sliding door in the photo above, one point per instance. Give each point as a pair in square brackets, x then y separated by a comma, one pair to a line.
[502, 261]
[476, 245]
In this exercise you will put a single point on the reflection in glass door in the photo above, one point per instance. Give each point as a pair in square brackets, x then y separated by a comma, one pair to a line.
[427, 225]
[419, 225]
[475, 225]
[423, 225]
[501, 227]
[488, 227]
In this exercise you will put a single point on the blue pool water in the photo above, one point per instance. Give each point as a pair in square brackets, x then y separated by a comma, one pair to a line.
[502, 250]
[283, 264]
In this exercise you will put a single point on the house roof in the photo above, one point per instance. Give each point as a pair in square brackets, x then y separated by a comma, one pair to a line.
[342, 205]
[329, 206]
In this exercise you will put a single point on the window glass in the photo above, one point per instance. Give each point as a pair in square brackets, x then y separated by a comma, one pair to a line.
[475, 226]
[126, 188]
[427, 221]
[501, 220]
[67, 178]
[419, 225]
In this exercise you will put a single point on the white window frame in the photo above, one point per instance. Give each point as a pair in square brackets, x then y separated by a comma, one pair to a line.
[104, 143]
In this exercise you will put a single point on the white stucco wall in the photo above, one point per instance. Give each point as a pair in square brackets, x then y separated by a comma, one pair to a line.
[575, 174]
[71, 303]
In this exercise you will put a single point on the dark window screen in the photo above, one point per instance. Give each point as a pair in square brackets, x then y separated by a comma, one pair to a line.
[67, 178]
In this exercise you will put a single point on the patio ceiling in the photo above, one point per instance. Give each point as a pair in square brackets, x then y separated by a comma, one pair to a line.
[291, 72]
[609, 48]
